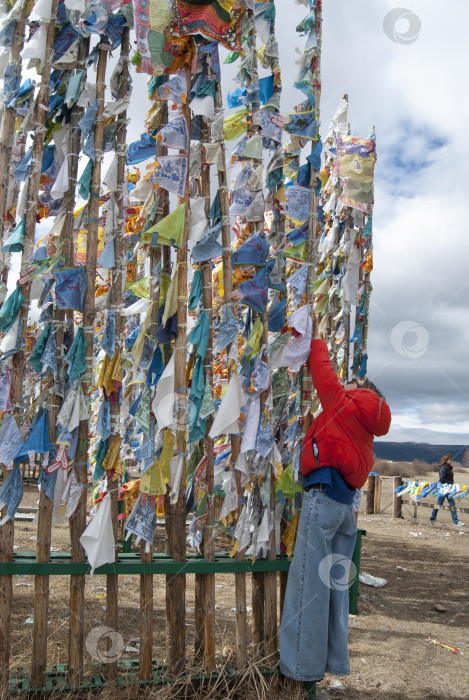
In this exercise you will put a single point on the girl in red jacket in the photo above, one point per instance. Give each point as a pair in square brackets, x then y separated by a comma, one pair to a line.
[336, 459]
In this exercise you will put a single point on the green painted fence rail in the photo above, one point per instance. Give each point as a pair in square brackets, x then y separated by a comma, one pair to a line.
[60, 564]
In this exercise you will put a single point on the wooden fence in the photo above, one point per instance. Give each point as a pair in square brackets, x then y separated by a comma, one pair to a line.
[401, 507]
[258, 644]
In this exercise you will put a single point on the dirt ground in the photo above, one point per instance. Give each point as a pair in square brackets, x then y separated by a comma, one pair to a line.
[391, 659]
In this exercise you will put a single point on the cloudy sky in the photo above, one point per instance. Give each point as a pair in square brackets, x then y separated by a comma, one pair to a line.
[416, 96]
[408, 80]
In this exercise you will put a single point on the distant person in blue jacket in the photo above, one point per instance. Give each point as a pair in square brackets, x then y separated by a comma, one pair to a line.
[446, 477]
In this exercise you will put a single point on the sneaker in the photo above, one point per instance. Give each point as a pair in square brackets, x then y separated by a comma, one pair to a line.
[459, 524]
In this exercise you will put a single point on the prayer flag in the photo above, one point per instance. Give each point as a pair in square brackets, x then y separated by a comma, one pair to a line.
[170, 229]
[70, 285]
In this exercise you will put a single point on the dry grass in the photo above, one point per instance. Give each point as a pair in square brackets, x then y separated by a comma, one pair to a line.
[407, 470]
[414, 469]
[249, 684]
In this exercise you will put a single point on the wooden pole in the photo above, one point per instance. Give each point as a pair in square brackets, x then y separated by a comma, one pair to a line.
[258, 579]
[13, 187]
[146, 580]
[78, 521]
[270, 578]
[397, 500]
[176, 585]
[208, 585]
[370, 495]
[377, 500]
[208, 582]
[6, 599]
[117, 290]
[200, 579]
[41, 591]
[314, 200]
[8, 119]
[240, 578]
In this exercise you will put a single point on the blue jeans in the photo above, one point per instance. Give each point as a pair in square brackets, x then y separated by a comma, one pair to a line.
[452, 506]
[314, 627]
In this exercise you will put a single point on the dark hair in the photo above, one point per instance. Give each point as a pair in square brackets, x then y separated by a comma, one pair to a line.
[367, 384]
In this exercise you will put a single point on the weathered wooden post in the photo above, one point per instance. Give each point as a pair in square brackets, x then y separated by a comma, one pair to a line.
[176, 584]
[377, 501]
[370, 495]
[397, 500]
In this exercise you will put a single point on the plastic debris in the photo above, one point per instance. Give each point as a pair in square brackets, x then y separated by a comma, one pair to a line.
[370, 580]
[453, 650]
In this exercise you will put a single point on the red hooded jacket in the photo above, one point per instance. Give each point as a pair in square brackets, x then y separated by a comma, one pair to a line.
[344, 430]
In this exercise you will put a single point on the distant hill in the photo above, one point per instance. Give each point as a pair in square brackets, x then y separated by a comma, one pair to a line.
[408, 451]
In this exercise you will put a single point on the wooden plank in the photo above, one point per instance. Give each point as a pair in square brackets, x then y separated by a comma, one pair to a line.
[176, 585]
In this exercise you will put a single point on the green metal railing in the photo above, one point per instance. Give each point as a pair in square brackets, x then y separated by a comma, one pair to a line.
[60, 564]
